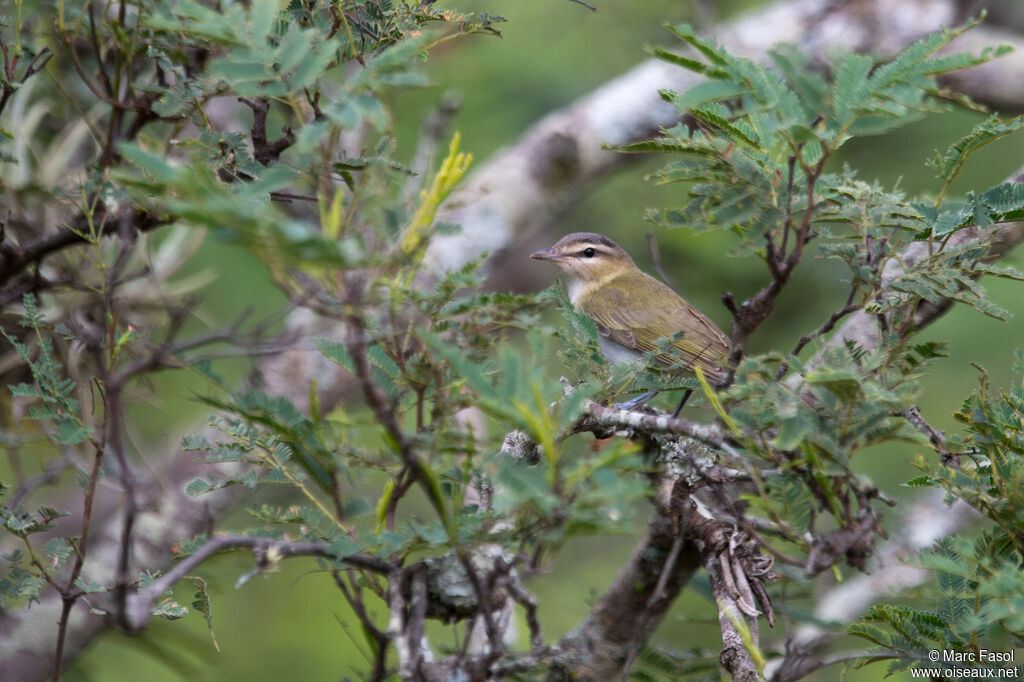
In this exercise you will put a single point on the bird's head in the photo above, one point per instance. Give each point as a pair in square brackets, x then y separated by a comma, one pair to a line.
[587, 258]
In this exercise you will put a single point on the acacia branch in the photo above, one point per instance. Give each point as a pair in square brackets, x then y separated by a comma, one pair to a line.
[924, 521]
[936, 437]
[929, 518]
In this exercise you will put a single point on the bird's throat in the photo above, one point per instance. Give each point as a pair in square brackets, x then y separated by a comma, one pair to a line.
[579, 290]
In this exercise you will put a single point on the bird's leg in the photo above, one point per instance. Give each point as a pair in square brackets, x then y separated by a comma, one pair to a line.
[633, 403]
[686, 396]
[639, 400]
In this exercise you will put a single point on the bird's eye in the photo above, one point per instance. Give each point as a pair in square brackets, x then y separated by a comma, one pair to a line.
[589, 252]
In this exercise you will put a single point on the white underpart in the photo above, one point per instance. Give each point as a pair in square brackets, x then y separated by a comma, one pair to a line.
[617, 354]
[575, 288]
[614, 353]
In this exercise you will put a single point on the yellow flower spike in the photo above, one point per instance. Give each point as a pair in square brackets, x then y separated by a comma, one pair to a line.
[330, 216]
[453, 168]
[382, 505]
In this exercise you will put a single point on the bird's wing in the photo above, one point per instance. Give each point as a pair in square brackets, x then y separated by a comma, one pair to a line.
[618, 318]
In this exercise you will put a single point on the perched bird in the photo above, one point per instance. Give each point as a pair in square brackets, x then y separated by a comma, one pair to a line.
[633, 310]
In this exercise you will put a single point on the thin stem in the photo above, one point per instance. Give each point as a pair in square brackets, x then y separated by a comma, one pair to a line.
[652, 245]
[825, 328]
[69, 597]
[270, 459]
[791, 164]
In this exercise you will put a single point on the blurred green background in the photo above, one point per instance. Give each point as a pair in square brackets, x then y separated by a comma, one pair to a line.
[294, 624]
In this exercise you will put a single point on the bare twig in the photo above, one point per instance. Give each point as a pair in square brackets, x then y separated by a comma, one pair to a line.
[529, 604]
[49, 476]
[37, 64]
[70, 593]
[354, 598]
[114, 407]
[652, 245]
[268, 550]
[585, 4]
[935, 437]
[825, 328]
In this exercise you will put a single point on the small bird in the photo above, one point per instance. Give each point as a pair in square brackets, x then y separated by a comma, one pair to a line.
[633, 310]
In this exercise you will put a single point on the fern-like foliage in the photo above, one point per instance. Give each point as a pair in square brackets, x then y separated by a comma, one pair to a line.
[978, 596]
[754, 155]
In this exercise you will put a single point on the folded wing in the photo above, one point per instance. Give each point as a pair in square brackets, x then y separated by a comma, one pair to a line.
[700, 342]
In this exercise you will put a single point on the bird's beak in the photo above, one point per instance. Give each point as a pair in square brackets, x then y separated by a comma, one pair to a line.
[546, 254]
